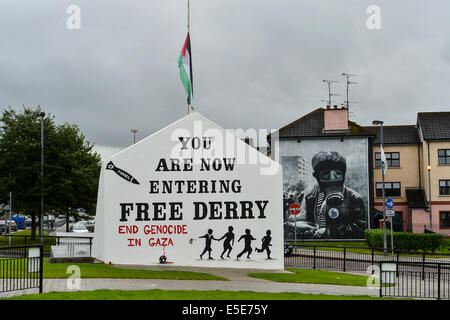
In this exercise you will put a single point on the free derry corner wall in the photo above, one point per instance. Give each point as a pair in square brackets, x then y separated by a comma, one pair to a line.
[191, 194]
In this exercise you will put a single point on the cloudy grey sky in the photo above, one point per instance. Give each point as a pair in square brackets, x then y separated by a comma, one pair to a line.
[257, 63]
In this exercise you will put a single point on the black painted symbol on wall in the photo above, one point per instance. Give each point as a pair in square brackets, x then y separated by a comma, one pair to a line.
[208, 237]
[265, 244]
[248, 238]
[228, 242]
[121, 173]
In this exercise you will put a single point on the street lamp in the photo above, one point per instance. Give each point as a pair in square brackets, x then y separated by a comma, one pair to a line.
[41, 233]
[380, 123]
[429, 196]
[134, 135]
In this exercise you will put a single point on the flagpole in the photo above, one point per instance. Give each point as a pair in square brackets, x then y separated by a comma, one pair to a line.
[189, 30]
[189, 18]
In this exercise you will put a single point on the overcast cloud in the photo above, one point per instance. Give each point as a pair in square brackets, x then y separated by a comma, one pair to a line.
[257, 63]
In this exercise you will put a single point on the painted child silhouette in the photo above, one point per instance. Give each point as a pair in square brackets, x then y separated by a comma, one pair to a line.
[228, 243]
[209, 237]
[265, 244]
[247, 241]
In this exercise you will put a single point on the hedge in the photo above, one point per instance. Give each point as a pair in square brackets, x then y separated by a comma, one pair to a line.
[404, 240]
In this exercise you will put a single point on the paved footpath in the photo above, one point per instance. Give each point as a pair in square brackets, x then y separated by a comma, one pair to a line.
[238, 281]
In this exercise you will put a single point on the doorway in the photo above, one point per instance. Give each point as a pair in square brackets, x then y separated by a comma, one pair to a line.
[397, 221]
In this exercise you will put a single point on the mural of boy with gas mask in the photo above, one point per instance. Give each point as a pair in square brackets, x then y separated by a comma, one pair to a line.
[331, 209]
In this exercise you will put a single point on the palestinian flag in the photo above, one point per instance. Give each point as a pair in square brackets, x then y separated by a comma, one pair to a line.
[185, 65]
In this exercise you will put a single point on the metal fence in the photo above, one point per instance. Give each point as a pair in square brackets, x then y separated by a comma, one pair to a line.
[409, 279]
[354, 258]
[417, 274]
[21, 267]
[73, 243]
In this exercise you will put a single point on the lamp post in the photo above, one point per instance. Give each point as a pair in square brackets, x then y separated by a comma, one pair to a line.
[134, 135]
[380, 123]
[429, 196]
[41, 233]
[10, 216]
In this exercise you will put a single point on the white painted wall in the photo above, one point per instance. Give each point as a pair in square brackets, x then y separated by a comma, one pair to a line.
[260, 179]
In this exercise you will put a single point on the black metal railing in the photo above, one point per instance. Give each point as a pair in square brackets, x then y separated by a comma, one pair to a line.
[409, 279]
[354, 258]
[73, 243]
[416, 274]
[21, 267]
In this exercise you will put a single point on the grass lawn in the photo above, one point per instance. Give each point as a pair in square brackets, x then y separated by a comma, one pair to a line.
[18, 239]
[157, 294]
[334, 243]
[314, 276]
[27, 232]
[24, 232]
[100, 270]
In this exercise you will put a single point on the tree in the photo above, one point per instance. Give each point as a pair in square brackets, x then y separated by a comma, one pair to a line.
[71, 167]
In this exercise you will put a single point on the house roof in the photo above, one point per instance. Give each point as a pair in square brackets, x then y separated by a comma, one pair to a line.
[312, 124]
[434, 125]
[416, 198]
[406, 134]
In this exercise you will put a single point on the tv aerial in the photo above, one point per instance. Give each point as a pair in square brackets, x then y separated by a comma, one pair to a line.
[329, 82]
[348, 75]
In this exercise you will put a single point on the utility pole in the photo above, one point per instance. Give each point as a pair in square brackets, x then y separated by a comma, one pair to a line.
[380, 123]
[41, 224]
[429, 196]
[10, 215]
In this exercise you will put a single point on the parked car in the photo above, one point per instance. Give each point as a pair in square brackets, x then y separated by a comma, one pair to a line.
[5, 230]
[20, 221]
[288, 249]
[90, 225]
[48, 218]
[79, 227]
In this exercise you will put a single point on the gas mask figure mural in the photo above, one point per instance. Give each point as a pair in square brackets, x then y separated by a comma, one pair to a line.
[330, 210]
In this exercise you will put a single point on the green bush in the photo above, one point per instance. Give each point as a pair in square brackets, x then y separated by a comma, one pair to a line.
[404, 240]
[445, 244]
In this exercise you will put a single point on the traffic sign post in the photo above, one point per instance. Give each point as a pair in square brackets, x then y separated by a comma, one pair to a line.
[391, 213]
[295, 209]
[390, 203]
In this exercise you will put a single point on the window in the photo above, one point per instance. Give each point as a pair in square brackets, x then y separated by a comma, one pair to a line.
[444, 156]
[391, 189]
[445, 219]
[392, 158]
[444, 187]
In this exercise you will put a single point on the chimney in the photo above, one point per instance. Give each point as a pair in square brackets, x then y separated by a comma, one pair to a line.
[335, 119]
